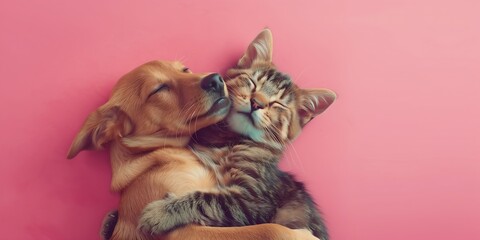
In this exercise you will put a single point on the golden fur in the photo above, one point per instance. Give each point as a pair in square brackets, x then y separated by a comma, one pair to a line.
[147, 123]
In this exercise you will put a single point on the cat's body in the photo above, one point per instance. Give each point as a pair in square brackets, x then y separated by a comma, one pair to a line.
[268, 112]
[265, 193]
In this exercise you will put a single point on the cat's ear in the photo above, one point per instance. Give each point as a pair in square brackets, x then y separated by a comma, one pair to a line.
[101, 127]
[312, 102]
[259, 50]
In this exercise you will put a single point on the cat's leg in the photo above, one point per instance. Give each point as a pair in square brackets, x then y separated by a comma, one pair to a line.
[294, 215]
[300, 212]
[229, 207]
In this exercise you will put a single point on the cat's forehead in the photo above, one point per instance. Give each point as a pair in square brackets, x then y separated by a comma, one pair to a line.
[271, 82]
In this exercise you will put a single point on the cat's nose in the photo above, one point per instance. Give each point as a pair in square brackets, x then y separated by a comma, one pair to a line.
[257, 104]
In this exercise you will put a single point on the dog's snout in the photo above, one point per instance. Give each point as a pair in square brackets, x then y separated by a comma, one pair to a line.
[213, 82]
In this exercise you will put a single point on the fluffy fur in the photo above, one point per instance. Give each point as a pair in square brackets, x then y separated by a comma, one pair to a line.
[147, 123]
[268, 112]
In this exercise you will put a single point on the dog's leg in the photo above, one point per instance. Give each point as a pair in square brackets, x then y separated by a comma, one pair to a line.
[267, 231]
[193, 232]
[108, 225]
[125, 230]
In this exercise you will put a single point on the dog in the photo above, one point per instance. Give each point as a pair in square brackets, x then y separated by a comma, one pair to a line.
[147, 123]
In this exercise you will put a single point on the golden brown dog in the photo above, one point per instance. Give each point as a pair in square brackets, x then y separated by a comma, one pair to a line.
[147, 122]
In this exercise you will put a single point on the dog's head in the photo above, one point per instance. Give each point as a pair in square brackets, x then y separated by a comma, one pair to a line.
[153, 103]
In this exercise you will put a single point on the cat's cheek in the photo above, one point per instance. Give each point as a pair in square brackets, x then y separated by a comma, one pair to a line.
[241, 124]
[238, 123]
[242, 106]
[284, 127]
[259, 118]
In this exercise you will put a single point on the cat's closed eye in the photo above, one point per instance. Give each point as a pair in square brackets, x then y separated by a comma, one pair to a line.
[277, 104]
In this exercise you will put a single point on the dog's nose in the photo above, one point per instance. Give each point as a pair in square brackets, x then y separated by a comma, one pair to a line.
[212, 82]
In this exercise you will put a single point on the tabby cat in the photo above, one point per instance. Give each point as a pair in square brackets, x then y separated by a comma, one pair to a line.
[268, 112]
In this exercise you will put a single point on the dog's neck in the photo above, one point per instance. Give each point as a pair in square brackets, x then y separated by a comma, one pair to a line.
[132, 156]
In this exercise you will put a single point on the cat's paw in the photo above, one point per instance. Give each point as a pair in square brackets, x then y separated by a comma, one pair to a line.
[158, 217]
[304, 234]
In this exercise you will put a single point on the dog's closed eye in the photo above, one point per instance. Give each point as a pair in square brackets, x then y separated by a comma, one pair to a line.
[186, 70]
[161, 87]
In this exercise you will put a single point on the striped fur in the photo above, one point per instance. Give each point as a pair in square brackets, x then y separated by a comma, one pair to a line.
[268, 112]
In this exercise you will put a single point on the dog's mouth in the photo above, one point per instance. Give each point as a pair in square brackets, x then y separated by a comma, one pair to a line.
[221, 105]
[219, 108]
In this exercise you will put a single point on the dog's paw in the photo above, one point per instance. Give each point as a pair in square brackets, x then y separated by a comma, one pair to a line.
[109, 222]
[158, 217]
[304, 234]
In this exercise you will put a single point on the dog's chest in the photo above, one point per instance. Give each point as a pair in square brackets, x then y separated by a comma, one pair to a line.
[185, 177]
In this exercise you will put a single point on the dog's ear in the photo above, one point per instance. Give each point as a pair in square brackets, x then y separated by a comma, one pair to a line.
[101, 127]
[259, 50]
[312, 102]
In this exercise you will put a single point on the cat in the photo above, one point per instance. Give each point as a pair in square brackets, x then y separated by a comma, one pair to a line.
[268, 112]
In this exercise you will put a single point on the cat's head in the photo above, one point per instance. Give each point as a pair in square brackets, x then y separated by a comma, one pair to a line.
[267, 106]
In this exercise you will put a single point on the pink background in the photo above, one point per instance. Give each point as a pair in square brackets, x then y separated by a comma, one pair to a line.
[396, 157]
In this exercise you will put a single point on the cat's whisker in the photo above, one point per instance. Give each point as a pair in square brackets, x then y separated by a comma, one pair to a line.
[278, 130]
[296, 162]
[297, 159]
[273, 136]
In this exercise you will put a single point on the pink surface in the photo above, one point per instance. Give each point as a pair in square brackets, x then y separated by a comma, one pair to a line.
[396, 157]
